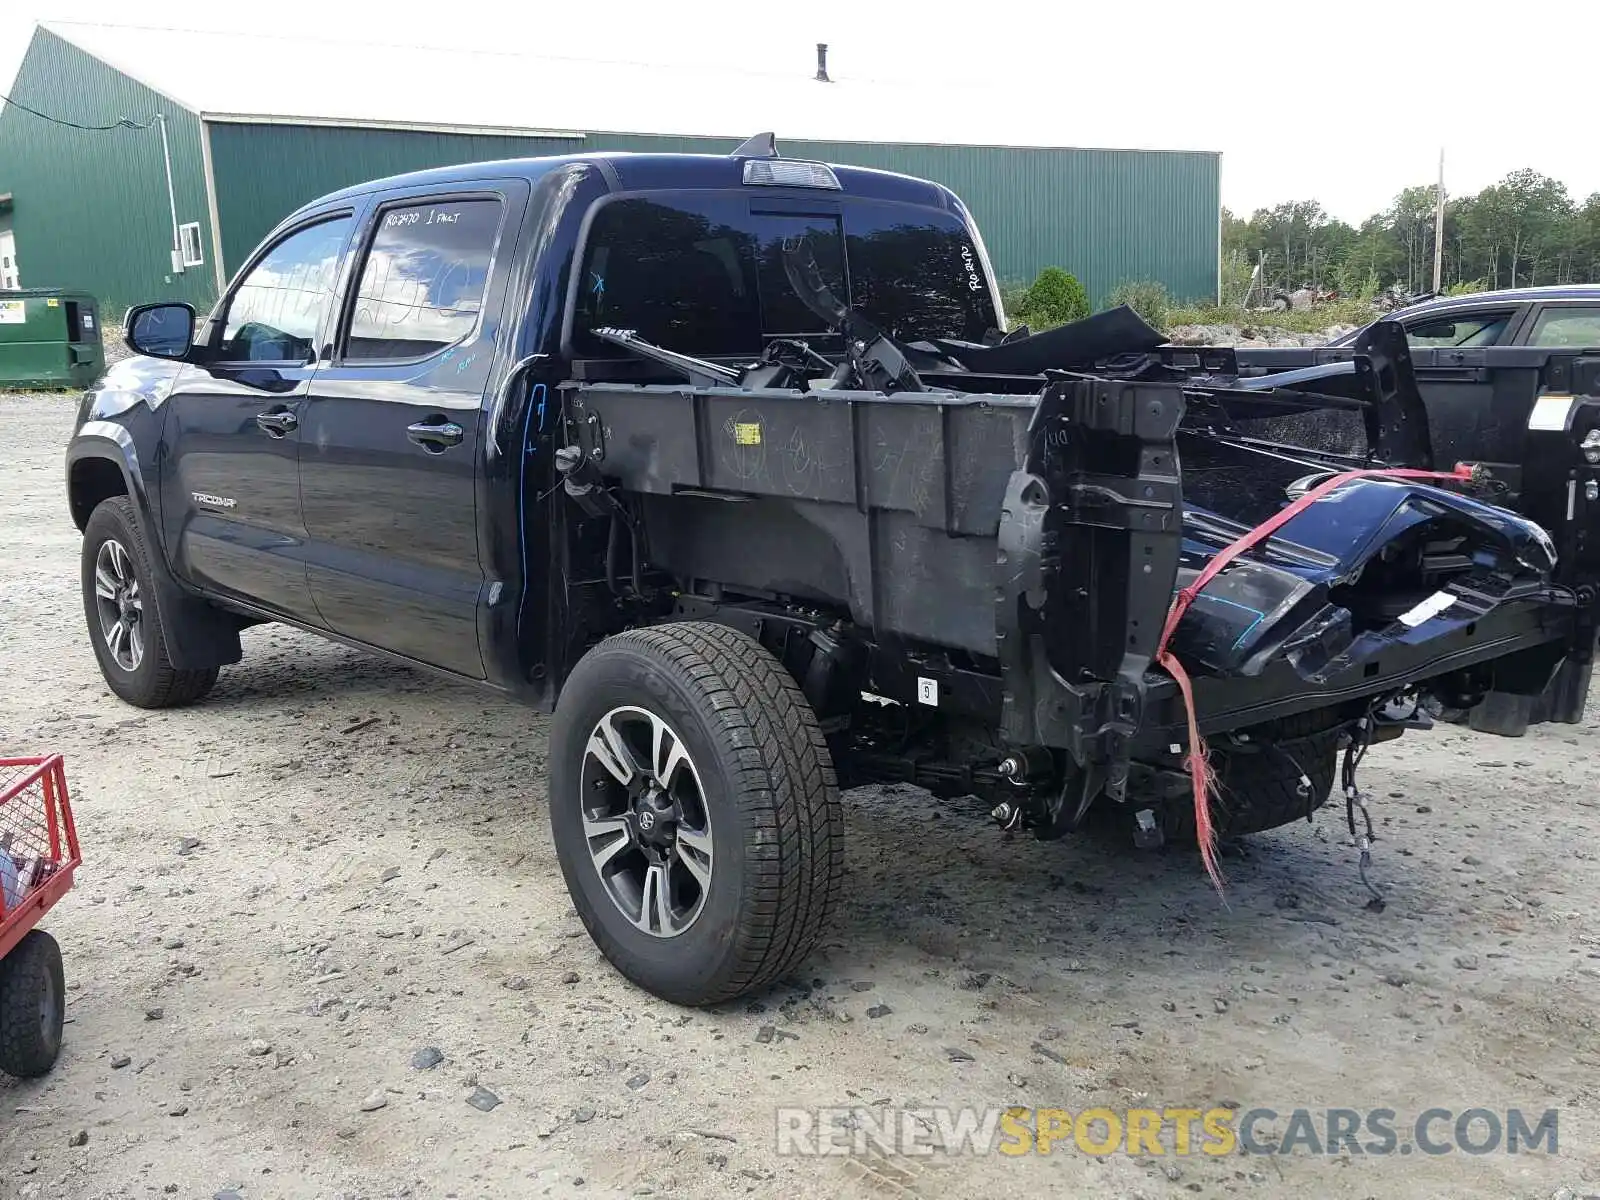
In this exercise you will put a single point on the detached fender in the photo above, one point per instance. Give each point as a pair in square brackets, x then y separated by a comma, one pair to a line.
[198, 634]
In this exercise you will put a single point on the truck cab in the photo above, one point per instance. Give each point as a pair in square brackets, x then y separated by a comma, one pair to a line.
[342, 445]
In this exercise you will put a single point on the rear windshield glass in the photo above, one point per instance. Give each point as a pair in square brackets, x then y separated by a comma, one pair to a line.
[709, 275]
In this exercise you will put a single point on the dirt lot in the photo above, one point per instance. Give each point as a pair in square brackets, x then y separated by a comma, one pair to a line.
[372, 876]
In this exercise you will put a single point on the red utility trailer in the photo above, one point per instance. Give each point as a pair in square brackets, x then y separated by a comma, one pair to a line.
[38, 855]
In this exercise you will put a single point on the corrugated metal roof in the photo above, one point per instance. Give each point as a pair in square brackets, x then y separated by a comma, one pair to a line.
[444, 88]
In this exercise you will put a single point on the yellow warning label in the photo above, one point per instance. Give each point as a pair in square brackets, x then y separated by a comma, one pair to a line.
[746, 433]
[52, 303]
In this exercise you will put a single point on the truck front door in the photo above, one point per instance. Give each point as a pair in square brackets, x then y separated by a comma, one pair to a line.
[230, 476]
[392, 436]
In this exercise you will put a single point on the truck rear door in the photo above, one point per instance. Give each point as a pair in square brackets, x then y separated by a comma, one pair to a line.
[392, 433]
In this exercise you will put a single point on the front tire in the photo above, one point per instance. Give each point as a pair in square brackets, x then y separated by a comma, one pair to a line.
[33, 1006]
[695, 811]
[120, 609]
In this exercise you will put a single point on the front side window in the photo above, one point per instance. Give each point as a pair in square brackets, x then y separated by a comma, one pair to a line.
[1477, 329]
[716, 275]
[1573, 328]
[422, 284]
[276, 310]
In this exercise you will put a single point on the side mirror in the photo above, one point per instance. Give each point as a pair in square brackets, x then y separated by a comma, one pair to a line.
[160, 330]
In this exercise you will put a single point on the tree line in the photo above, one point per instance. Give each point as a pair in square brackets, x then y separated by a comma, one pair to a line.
[1522, 231]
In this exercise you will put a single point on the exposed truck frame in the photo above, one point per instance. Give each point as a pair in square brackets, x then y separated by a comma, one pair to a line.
[1008, 558]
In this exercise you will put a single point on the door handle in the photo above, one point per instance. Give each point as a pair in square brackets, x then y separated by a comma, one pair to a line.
[436, 435]
[278, 422]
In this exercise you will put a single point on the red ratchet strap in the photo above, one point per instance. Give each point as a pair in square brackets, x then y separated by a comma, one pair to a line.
[1197, 761]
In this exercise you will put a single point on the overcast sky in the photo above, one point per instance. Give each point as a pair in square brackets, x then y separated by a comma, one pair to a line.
[1345, 102]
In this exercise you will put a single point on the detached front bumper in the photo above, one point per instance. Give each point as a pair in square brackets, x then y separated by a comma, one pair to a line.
[1093, 546]
[1524, 641]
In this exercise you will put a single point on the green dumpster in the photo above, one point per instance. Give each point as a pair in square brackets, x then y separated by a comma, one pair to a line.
[49, 339]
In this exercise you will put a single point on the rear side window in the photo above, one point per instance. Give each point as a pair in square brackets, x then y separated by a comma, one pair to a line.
[1477, 329]
[711, 275]
[1575, 328]
[422, 280]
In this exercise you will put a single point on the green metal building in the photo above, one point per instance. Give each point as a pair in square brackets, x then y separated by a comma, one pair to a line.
[170, 154]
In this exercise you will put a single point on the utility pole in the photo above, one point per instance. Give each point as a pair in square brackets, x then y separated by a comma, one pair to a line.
[1438, 228]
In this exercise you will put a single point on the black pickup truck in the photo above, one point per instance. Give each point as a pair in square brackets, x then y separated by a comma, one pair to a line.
[727, 462]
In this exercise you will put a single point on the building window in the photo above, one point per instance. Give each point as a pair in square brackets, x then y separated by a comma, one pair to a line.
[189, 243]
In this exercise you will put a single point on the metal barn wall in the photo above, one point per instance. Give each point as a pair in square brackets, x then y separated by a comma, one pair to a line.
[90, 207]
[1108, 216]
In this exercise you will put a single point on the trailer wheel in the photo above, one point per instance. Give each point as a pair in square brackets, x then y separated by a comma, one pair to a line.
[695, 811]
[120, 609]
[33, 1006]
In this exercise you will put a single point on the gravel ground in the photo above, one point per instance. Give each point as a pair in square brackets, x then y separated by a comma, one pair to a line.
[370, 876]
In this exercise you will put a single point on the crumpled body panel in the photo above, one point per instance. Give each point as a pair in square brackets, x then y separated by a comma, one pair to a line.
[1375, 562]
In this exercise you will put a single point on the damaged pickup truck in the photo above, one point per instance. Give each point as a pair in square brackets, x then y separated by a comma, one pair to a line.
[725, 460]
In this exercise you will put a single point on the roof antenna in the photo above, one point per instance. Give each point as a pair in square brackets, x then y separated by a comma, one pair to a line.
[763, 145]
[822, 63]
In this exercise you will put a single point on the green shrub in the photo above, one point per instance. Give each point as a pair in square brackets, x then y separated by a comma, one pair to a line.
[1054, 298]
[1467, 287]
[1147, 298]
[1357, 280]
[1236, 280]
[1012, 294]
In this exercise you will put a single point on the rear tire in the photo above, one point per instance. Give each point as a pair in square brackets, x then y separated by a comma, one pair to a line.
[33, 1006]
[754, 804]
[119, 595]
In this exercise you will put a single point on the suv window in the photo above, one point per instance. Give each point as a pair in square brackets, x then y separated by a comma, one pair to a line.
[707, 274]
[1573, 327]
[423, 279]
[1474, 329]
[274, 313]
